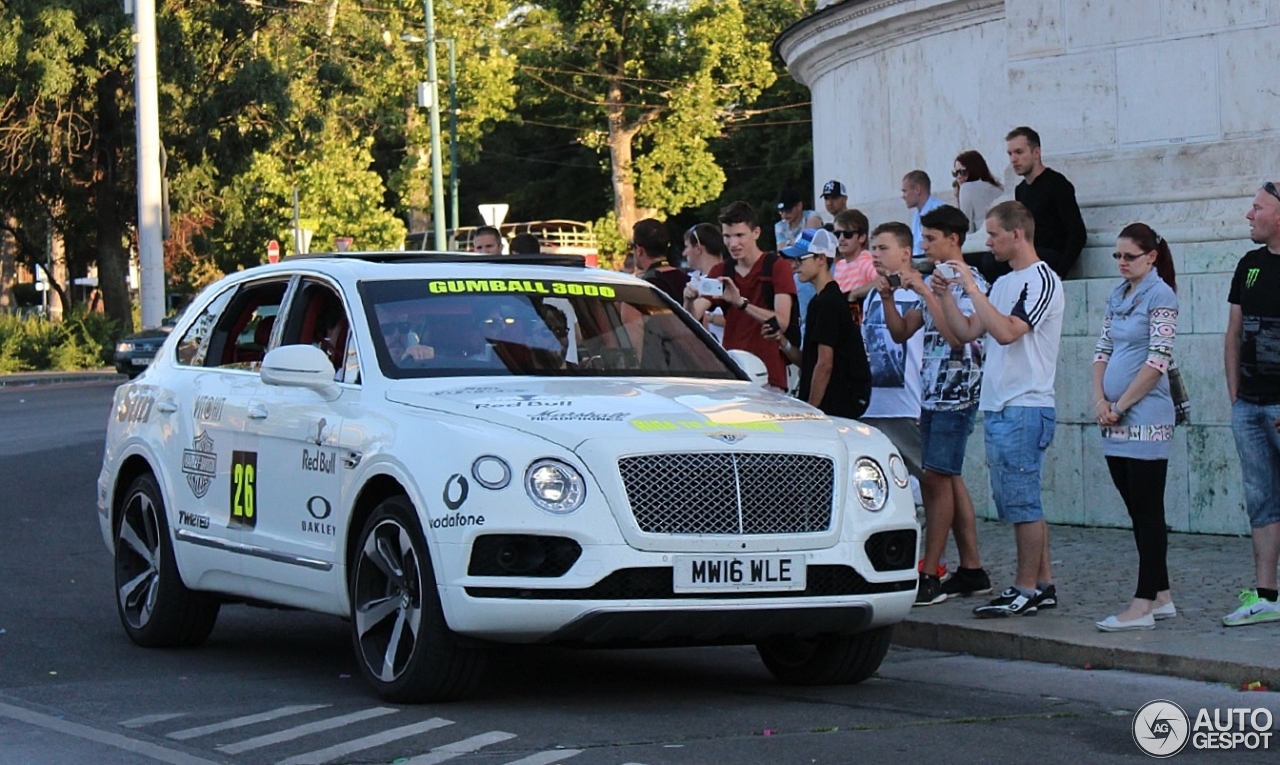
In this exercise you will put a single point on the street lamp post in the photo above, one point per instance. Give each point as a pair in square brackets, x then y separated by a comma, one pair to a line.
[453, 136]
[437, 179]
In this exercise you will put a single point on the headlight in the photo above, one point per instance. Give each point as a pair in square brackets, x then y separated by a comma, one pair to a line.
[554, 486]
[869, 484]
[898, 469]
[124, 347]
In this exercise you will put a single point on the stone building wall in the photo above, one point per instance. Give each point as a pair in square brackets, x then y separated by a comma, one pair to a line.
[1163, 111]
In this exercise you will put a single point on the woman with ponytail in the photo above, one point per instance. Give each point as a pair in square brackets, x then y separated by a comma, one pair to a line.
[1135, 410]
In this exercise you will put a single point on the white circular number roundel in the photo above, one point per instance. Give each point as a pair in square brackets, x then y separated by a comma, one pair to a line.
[1161, 728]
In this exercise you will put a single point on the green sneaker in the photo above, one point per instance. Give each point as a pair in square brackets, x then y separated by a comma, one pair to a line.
[1252, 610]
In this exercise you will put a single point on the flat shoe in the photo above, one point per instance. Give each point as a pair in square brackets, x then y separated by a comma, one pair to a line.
[1112, 624]
[1167, 611]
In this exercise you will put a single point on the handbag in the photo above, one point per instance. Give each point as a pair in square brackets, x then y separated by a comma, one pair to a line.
[1181, 399]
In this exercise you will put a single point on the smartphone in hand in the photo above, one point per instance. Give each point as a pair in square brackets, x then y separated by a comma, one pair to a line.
[947, 271]
[895, 281]
[772, 324]
[709, 287]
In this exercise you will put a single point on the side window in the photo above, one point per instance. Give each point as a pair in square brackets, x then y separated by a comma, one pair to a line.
[318, 317]
[235, 330]
[194, 345]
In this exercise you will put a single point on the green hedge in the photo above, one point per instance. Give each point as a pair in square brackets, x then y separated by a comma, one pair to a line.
[84, 340]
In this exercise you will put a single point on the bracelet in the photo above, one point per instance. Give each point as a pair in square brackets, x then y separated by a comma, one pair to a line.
[1116, 408]
[1099, 401]
[786, 345]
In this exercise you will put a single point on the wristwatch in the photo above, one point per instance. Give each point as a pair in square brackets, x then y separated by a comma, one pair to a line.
[743, 305]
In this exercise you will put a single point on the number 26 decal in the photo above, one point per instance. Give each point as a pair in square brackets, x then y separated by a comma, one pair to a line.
[244, 490]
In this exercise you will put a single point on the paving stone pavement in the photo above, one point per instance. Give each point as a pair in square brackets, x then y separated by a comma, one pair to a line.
[1095, 571]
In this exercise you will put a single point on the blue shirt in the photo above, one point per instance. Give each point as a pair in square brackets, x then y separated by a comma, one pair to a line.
[917, 234]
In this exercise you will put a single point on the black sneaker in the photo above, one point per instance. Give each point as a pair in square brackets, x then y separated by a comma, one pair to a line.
[1046, 598]
[1010, 603]
[930, 591]
[967, 581]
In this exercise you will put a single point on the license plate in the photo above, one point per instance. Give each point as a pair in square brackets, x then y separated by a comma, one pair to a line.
[738, 573]
[140, 361]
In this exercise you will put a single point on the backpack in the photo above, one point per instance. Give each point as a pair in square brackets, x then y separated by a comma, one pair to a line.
[766, 275]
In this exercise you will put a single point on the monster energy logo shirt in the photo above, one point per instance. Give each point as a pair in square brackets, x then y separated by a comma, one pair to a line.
[1254, 288]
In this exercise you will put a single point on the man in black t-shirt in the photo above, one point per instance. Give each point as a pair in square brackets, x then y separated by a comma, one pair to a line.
[1060, 232]
[1251, 356]
[835, 375]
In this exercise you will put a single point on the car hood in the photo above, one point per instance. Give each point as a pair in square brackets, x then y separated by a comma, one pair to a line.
[155, 333]
[570, 412]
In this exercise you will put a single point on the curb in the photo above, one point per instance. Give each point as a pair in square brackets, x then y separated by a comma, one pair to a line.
[1189, 658]
[56, 378]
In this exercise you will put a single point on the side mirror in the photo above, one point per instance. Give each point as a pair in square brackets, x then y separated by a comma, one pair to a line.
[299, 366]
[750, 363]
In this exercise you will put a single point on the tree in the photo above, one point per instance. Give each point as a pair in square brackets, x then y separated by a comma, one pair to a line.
[648, 82]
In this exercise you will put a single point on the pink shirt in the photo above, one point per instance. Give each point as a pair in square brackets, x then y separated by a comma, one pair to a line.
[852, 274]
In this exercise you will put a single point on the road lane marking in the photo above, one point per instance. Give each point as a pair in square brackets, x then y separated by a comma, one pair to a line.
[239, 722]
[546, 758]
[457, 748]
[318, 726]
[320, 756]
[145, 720]
[144, 748]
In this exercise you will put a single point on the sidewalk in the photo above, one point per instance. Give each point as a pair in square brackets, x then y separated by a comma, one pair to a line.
[49, 378]
[1095, 571]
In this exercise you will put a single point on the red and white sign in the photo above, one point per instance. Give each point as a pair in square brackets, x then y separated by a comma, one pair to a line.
[273, 251]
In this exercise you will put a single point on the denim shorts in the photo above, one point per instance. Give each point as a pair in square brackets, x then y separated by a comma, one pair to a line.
[1258, 443]
[1016, 440]
[943, 437]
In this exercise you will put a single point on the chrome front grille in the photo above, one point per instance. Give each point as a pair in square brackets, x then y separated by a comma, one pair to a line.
[729, 493]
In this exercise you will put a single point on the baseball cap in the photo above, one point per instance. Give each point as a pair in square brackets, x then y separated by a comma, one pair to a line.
[812, 241]
[788, 198]
[834, 189]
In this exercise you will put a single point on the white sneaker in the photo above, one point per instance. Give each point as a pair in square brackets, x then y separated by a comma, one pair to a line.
[1252, 610]
[1167, 611]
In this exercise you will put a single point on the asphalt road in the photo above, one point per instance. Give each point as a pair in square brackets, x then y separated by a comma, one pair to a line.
[281, 687]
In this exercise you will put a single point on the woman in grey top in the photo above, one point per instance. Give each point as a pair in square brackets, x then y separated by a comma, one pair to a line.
[1135, 411]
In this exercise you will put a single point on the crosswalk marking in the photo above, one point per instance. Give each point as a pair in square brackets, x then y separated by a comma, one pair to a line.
[204, 730]
[546, 758]
[320, 756]
[465, 746]
[299, 731]
[145, 720]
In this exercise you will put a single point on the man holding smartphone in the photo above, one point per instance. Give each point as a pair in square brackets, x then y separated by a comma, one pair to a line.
[834, 374]
[951, 380]
[895, 365]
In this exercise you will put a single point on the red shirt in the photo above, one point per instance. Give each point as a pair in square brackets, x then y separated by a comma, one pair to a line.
[741, 332]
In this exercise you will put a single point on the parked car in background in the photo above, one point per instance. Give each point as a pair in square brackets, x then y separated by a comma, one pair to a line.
[456, 451]
[135, 352]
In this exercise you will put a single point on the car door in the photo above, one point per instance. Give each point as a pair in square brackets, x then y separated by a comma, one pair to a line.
[206, 409]
[304, 455]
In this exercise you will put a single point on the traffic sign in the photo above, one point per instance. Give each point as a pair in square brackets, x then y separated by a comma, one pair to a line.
[273, 251]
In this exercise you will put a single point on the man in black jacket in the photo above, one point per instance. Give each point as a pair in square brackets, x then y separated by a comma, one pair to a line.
[1060, 232]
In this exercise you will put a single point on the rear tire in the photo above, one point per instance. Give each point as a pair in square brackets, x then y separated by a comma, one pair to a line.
[826, 659]
[156, 608]
[405, 649]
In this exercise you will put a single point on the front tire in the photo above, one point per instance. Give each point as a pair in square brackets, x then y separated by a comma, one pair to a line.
[826, 659]
[156, 608]
[405, 649]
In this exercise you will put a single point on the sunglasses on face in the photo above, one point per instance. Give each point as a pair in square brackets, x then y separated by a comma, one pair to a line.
[958, 173]
[845, 234]
[1271, 189]
[1127, 257]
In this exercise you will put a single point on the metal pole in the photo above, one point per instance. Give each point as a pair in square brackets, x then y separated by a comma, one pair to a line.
[150, 197]
[297, 227]
[453, 137]
[437, 176]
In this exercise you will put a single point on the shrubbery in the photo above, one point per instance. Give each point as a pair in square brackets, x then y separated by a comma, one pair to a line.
[83, 340]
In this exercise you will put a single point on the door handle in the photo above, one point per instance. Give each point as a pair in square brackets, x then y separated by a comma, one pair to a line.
[257, 412]
[166, 407]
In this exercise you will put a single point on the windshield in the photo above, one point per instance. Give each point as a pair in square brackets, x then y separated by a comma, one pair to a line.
[457, 327]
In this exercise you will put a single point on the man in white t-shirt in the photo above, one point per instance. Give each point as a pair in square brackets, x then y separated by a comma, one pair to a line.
[1022, 320]
[895, 367]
